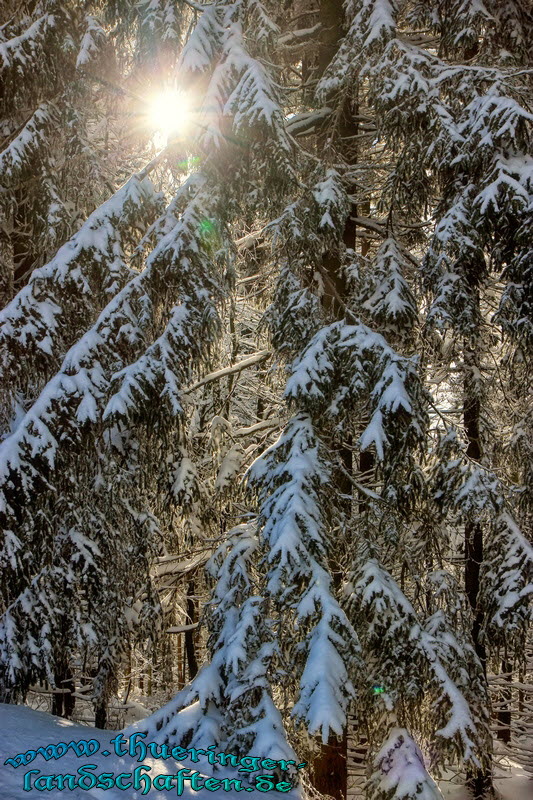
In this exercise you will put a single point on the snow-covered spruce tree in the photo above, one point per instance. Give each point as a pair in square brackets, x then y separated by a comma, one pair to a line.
[485, 177]
[229, 703]
[372, 169]
[465, 128]
[46, 544]
[90, 568]
[346, 372]
[62, 67]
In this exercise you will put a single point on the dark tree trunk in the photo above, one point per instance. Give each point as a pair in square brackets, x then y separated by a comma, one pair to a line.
[330, 774]
[63, 702]
[329, 768]
[504, 711]
[191, 619]
[479, 780]
[100, 713]
[103, 684]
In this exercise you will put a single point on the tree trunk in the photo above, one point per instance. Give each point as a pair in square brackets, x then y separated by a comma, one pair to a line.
[63, 703]
[330, 774]
[329, 768]
[100, 713]
[504, 711]
[479, 780]
[191, 619]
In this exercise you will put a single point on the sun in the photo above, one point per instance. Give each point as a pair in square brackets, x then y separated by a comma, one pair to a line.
[169, 113]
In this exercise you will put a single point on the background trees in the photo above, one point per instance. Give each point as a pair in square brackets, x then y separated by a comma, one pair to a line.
[321, 286]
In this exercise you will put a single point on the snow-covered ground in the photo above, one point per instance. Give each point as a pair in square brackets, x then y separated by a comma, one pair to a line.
[511, 783]
[23, 729]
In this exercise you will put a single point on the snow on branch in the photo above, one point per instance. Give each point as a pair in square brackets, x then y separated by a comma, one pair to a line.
[203, 44]
[390, 302]
[77, 393]
[289, 478]
[370, 23]
[23, 148]
[507, 579]
[391, 634]
[91, 263]
[92, 42]
[399, 770]
[229, 702]
[25, 49]
[370, 368]
[240, 85]
[249, 361]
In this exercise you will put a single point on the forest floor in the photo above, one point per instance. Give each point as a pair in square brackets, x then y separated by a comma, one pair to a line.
[24, 729]
[511, 782]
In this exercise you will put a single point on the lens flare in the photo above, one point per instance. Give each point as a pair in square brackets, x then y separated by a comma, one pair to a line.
[169, 113]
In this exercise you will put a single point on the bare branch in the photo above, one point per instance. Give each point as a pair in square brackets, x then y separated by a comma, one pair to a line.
[221, 373]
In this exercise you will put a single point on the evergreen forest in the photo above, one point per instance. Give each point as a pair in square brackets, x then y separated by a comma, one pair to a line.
[266, 364]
